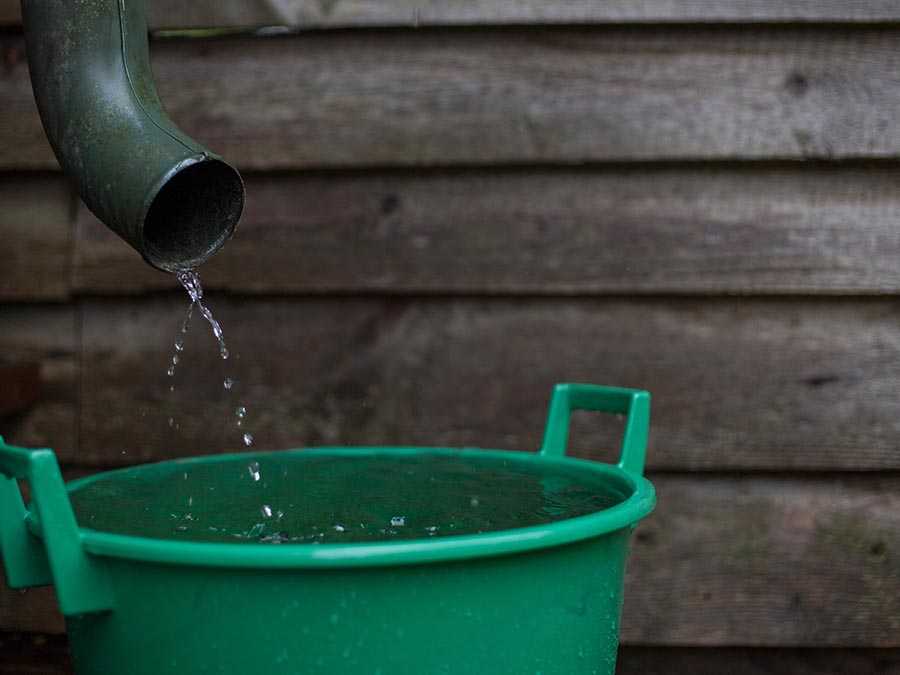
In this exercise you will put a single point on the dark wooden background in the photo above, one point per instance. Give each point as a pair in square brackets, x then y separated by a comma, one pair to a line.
[454, 204]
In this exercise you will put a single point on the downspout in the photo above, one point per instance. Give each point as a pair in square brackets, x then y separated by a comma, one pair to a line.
[165, 194]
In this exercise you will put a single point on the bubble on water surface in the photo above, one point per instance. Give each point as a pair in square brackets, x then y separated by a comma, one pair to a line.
[248, 440]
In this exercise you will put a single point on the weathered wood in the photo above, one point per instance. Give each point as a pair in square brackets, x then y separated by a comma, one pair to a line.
[646, 229]
[36, 215]
[743, 384]
[640, 660]
[774, 561]
[23, 654]
[33, 610]
[21, 387]
[756, 561]
[563, 95]
[47, 336]
[343, 13]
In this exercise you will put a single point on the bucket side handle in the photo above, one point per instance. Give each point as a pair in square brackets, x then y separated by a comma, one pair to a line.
[635, 403]
[81, 585]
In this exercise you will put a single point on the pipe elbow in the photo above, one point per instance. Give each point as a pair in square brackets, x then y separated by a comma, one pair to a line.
[173, 200]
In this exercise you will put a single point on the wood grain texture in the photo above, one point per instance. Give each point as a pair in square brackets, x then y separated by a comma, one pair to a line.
[344, 13]
[618, 229]
[48, 336]
[36, 223]
[774, 561]
[24, 654]
[563, 95]
[755, 561]
[641, 660]
[738, 384]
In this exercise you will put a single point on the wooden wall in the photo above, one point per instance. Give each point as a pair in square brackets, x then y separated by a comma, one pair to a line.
[453, 205]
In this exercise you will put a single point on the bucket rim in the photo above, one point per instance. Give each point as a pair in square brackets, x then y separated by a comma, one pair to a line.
[626, 513]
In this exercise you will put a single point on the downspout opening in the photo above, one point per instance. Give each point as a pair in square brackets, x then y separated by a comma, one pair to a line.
[192, 215]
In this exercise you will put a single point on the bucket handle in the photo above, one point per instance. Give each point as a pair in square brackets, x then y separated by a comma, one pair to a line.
[81, 585]
[635, 403]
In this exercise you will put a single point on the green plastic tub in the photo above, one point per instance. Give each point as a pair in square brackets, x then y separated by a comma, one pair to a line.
[339, 560]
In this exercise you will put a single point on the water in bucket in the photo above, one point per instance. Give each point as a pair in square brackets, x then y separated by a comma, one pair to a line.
[284, 498]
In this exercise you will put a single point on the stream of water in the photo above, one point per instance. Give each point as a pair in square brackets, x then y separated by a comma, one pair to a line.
[194, 287]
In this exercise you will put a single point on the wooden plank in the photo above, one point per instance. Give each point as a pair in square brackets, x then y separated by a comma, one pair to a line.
[45, 335]
[346, 13]
[32, 610]
[641, 660]
[21, 387]
[36, 229]
[739, 384]
[563, 95]
[768, 562]
[619, 229]
[755, 561]
[22, 654]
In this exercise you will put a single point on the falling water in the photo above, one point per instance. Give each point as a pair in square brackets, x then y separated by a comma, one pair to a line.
[192, 284]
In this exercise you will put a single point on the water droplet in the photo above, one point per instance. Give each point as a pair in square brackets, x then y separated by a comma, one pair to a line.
[171, 422]
[473, 502]
[224, 353]
[431, 530]
[338, 528]
[241, 412]
[248, 440]
[398, 521]
[179, 344]
[253, 469]
[171, 387]
[228, 383]
[181, 528]
[175, 359]
[266, 510]
[171, 371]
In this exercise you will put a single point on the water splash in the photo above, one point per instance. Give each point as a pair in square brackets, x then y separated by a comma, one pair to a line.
[253, 470]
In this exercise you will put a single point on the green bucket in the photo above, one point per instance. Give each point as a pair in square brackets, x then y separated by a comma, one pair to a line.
[339, 560]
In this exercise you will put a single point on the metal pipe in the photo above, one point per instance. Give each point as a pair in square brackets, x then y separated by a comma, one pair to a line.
[164, 193]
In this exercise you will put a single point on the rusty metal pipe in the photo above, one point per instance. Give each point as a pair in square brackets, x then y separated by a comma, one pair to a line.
[168, 196]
